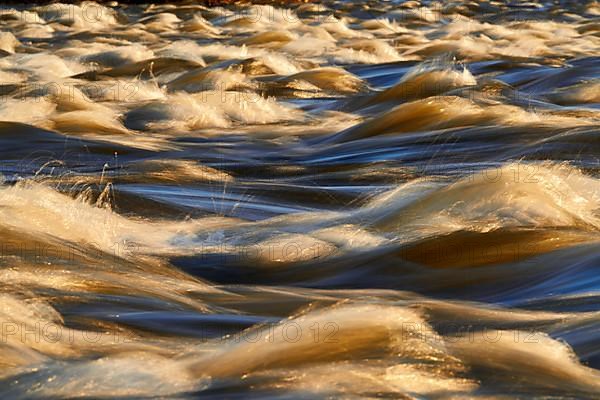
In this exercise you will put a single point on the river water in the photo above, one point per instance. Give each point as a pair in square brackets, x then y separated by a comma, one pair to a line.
[372, 199]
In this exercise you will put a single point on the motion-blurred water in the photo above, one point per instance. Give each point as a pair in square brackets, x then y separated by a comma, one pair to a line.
[373, 199]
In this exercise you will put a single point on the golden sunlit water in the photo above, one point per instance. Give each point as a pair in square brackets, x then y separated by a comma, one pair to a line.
[338, 199]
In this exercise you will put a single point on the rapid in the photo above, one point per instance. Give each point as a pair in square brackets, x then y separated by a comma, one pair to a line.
[342, 199]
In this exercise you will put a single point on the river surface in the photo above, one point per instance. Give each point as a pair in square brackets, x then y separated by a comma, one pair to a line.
[371, 199]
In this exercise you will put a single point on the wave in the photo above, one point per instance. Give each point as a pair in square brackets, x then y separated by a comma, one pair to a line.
[333, 200]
